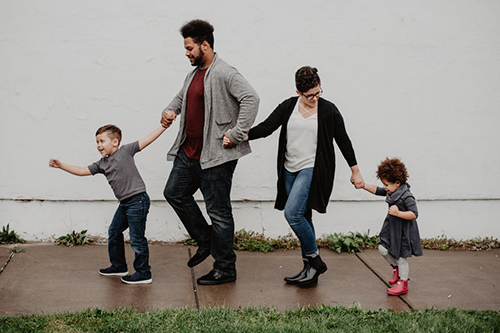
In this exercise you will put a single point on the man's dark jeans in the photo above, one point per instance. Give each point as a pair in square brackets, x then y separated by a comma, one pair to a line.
[131, 213]
[215, 183]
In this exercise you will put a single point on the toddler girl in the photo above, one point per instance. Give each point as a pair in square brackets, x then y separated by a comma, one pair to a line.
[399, 237]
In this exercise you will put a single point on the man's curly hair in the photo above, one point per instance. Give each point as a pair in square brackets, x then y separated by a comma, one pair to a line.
[199, 31]
[306, 78]
[392, 170]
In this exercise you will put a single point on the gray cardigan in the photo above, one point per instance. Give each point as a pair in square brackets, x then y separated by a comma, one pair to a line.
[230, 103]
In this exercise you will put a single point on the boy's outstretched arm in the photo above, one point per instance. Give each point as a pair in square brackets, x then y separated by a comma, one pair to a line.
[148, 139]
[73, 169]
[370, 188]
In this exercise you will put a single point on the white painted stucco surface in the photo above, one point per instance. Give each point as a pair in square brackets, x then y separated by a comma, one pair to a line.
[415, 79]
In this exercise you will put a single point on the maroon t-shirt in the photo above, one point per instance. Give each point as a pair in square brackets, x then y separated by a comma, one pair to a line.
[195, 116]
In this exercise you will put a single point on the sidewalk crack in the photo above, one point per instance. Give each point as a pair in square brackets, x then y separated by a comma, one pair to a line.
[193, 280]
[383, 281]
[8, 260]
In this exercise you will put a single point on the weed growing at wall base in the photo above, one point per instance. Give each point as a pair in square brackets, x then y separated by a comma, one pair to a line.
[16, 249]
[252, 241]
[8, 236]
[475, 244]
[350, 243]
[74, 238]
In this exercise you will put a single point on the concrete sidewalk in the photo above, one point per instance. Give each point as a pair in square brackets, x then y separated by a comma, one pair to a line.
[46, 279]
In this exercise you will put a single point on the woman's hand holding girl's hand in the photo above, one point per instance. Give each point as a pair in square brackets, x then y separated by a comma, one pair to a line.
[226, 141]
[356, 178]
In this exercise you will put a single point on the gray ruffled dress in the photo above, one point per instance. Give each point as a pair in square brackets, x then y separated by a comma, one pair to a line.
[400, 237]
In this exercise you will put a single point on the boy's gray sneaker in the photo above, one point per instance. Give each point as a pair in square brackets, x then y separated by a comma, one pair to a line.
[111, 271]
[136, 279]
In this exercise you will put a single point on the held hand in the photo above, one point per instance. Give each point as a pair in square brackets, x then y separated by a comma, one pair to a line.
[394, 210]
[168, 118]
[359, 185]
[54, 163]
[226, 141]
[357, 180]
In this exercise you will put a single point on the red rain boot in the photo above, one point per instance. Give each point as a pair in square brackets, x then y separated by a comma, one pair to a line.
[400, 288]
[395, 275]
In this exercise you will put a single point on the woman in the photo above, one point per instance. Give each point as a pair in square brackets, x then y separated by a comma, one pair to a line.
[306, 163]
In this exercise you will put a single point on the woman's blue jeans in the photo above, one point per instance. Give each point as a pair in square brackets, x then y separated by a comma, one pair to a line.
[297, 213]
[131, 214]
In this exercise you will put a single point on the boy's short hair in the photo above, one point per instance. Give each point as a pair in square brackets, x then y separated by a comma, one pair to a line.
[306, 78]
[392, 170]
[112, 131]
[199, 31]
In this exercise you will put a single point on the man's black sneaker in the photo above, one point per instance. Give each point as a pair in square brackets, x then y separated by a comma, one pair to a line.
[199, 257]
[111, 271]
[136, 279]
[214, 277]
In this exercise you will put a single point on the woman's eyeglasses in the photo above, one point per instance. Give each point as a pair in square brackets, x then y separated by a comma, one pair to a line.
[312, 96]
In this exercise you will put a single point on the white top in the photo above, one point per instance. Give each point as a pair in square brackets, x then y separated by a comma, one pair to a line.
[301, 141]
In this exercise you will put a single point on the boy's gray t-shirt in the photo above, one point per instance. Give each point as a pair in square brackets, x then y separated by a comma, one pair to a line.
[121, 172]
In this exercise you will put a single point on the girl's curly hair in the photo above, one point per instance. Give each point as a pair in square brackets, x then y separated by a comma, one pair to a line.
[392, 170]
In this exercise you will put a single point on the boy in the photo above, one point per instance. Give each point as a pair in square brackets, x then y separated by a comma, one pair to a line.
[117, 164]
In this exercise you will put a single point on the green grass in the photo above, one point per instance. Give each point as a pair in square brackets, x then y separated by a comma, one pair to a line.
[223, 319]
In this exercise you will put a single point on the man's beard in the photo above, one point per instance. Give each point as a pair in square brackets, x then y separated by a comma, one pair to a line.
[199, 59]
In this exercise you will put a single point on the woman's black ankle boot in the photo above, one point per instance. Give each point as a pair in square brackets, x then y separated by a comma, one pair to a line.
[299, 275]
[315, 268]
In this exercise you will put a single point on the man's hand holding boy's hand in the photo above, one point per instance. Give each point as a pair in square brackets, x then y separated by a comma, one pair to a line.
[168, 118]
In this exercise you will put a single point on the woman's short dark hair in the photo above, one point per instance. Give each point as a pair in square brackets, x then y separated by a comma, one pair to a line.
[306, 78]
[199, 31]
[392, 170]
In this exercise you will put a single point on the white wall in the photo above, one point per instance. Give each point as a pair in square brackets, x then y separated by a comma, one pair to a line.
[415, 79]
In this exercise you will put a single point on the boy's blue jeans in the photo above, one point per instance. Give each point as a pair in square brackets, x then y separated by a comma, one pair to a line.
[131, 213]
[215, 183]
[297, 214]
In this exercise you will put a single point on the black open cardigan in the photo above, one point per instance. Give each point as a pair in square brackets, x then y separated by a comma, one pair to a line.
[330, 126]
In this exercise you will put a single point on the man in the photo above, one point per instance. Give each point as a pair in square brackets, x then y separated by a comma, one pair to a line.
[215, 98]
